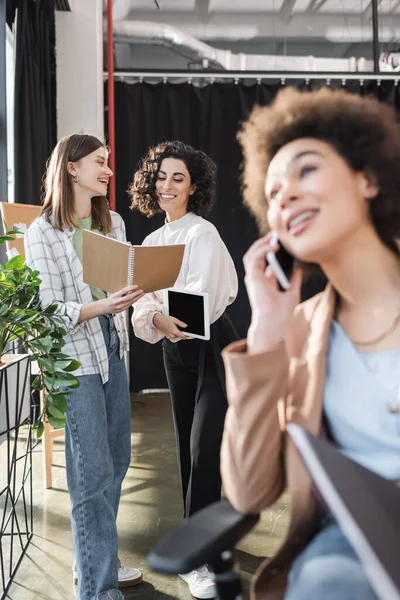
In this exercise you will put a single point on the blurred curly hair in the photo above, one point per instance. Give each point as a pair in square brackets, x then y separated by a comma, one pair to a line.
[362, 130]
[202, 170]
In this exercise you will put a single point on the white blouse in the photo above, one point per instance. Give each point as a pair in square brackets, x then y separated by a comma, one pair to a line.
[206, 267]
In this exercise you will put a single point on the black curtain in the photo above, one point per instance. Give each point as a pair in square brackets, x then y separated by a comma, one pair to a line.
[208, 119]
[35, 124]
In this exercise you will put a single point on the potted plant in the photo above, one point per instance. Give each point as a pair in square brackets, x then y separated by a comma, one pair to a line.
[41, 331]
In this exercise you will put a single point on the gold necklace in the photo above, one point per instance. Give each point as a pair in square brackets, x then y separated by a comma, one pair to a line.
[382, 336]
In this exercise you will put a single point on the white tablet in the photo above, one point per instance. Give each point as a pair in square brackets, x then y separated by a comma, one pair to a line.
[190, 307]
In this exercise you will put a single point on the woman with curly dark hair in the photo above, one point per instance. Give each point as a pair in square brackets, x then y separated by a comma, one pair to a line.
[177, 179]
[323, 167]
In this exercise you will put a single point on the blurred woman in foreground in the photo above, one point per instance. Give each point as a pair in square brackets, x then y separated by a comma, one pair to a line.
[324, 166]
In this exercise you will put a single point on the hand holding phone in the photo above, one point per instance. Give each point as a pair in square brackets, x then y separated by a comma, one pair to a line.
[271, 309]
[275, 266]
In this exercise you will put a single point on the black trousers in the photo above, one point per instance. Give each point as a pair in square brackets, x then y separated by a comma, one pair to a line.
[196, 380]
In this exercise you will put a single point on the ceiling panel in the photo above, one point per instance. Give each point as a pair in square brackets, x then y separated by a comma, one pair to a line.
[165, 5]
[245, 6]
[389, 6]
[301, 5]
[345, 6]
[350, 7]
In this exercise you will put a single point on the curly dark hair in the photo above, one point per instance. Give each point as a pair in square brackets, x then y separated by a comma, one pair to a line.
[362, 130]
[202, 171]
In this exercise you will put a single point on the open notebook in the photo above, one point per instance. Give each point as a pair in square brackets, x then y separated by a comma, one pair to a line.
[20, 216]
[110, 265]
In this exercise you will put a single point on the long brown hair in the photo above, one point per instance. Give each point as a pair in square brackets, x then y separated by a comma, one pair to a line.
[58, 196]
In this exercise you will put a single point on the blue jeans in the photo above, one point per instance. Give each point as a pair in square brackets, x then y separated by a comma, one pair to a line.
[328, 569]
[97, 449]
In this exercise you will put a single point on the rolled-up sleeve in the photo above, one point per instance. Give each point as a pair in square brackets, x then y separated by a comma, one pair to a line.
[142, 318]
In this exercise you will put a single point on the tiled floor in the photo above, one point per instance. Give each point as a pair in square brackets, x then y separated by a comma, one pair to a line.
[150, 507]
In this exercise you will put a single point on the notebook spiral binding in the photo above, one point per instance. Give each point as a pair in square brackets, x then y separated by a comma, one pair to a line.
[131, 265]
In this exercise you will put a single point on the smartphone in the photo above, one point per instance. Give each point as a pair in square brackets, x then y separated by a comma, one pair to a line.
[281, 262]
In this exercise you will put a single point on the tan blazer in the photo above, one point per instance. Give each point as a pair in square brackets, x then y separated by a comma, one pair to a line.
[258, 460]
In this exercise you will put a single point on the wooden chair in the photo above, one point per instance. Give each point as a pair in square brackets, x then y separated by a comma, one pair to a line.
[48, 437]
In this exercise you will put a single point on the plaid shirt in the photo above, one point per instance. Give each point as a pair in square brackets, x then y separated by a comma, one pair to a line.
[50, 251]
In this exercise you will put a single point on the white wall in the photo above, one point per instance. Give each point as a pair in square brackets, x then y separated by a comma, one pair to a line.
[79, 38]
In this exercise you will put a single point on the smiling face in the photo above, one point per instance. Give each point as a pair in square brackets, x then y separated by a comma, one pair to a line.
[173, 188]
[92, 172]
[316, 201]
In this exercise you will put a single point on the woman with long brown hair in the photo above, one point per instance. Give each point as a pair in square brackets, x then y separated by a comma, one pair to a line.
[97, 434]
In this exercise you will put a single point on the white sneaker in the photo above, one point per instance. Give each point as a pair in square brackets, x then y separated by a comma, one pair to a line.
[201, 583]
[127, 577]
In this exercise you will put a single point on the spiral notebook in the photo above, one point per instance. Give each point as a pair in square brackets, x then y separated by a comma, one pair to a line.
[110, 264]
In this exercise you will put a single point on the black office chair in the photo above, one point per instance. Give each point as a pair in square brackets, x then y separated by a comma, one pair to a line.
[208, 537]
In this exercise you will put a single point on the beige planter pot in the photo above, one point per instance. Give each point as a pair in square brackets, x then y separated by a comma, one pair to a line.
[15, 397]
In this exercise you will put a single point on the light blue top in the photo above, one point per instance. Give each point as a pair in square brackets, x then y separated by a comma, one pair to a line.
[360, 390]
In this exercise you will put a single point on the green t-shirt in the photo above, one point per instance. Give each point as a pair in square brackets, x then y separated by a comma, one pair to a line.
[81, 224]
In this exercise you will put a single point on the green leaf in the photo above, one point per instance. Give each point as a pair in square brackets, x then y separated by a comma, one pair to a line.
[39, 429]
[43, 345]
[37, 383]
[60, 356]
[4, 309]
[60, 401]
[55, 412]
[62, 380]
[72, 365]
[57, 345]
[50, 309]
[66, 378]
[17, 262]
[28, 319]
[70, 383]
[47, 364]
[41, 332]
[57, 423]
